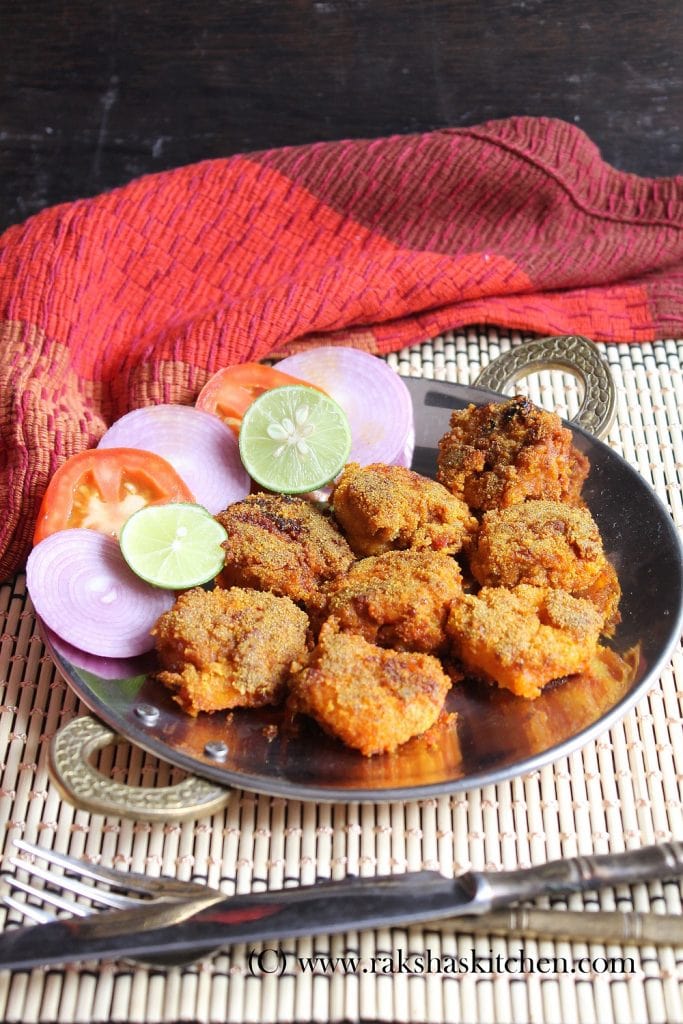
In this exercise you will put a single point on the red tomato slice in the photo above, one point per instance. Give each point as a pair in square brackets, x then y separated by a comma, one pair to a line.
[100, 489]
[231, 391]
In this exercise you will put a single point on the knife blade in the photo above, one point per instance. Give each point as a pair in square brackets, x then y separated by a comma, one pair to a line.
[212, 922]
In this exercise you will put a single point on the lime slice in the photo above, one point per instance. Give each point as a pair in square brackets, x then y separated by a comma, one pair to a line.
[294, 439]
[173, 546]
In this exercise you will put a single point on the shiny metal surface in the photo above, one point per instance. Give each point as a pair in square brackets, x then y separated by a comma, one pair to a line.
[79, 781]
[204, 923]
[496, 735]
[596, 926]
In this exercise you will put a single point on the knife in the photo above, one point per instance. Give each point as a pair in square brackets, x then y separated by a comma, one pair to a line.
[205, 925]
[608, 927]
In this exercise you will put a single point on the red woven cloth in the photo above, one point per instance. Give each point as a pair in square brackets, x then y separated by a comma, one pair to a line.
[138, 295]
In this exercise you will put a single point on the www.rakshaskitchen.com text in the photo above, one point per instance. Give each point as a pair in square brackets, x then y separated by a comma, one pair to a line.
[277, 961]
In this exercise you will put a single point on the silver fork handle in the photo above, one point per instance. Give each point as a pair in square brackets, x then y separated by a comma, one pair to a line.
[575, 874]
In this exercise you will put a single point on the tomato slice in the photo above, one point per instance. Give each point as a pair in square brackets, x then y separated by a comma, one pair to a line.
[230, 391]
[101, 488]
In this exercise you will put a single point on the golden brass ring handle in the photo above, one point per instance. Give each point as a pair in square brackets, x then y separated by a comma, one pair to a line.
[83, 785]
[570, 352]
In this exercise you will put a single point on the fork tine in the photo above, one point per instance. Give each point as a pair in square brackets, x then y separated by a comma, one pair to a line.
[122, 879]
[102, 896]
[53, 898]
[163, 888]
[40, 916]
[27, 909]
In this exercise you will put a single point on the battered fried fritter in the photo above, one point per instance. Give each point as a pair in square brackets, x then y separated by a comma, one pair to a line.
[383, 508]
[604, 593]
[371, 699]
[497, 455]
[282, 544]
[546, 544]
[524, 637]
[399, 599]
[229, 648]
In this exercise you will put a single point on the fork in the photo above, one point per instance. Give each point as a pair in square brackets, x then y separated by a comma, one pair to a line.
[146, 889]
[594, 926]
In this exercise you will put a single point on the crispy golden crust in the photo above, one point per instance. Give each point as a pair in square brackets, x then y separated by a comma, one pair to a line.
[399, 599]
[605, 593]
[282, 544]
[547, 589]
[384, 508]
[498, 455]
[229, 648]
[546, 544]
[524, 637]
[370, 698]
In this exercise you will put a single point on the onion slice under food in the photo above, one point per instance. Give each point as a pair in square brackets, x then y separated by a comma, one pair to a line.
[83, 590]
[199, 446]
[374, 398]
[105, 668]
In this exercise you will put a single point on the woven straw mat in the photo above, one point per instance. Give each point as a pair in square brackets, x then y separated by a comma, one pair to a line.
[622, 790]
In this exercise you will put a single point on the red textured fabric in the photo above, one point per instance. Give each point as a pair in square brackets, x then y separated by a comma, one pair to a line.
[138, 295]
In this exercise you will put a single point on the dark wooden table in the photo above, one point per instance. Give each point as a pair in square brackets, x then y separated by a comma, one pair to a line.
[96, 92]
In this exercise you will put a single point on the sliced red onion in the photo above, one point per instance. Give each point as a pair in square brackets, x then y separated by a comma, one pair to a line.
[199, 446]
[406, 456]
[82, 589]
[372, 395]
[105, 668]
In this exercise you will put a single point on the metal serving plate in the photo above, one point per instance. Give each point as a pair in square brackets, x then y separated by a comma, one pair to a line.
[496, 735]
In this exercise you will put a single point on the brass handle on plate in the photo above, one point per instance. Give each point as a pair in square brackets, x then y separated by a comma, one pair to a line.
[570, 352]
[83, 785]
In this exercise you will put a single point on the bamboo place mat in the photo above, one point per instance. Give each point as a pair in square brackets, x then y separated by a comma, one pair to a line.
[622, 790]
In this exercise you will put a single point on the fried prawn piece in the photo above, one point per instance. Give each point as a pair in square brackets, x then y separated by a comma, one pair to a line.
[498, 455]
[546, 544]
[282, 544]
[399, 599]
[229, 648]
[383, 508]
[525, 637]
[370, 698]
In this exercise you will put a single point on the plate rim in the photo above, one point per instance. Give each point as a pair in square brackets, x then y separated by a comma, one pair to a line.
[275, 786]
